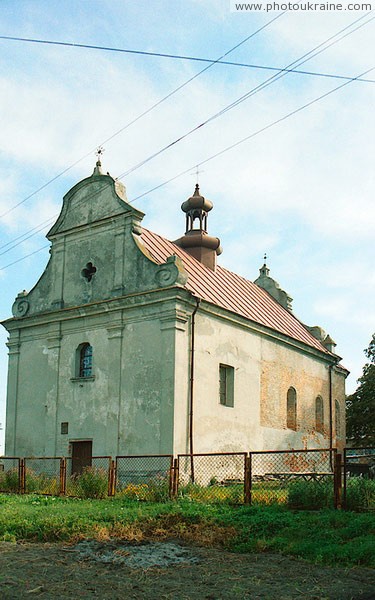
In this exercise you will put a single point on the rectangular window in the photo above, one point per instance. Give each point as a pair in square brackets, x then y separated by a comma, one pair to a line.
[226, 379]
[64, 428]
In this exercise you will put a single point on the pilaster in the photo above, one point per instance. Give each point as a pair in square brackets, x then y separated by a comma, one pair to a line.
[57, 275]
[51, 443]
[172, 324]
[113, 430]
[14, 346]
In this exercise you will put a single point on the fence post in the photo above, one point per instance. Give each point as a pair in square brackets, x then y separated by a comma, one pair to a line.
[22, 477]
[344, 475]
[337, 480]
[62, 477]
[247, 479]
[171, 479]
[112, 478]
[175, 478]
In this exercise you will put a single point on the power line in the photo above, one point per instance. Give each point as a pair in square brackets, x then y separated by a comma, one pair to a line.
[24, 257]
[301, 60]
[180, 57]
[26, 237]
[307, 56]
[286, 69]
[144, 113]
[248, 137]
[37, 227]
[227, 149]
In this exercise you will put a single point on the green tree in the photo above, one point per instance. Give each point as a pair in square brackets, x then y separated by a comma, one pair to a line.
[360, 415]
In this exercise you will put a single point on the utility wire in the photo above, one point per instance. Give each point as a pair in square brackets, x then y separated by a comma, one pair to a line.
[302, 59]
[23, 257]
[227, 149]
[286, 69]
[174, 91]
[28, 231]
[179, 57]
[307, 56]
[252, 135]
[25, 237]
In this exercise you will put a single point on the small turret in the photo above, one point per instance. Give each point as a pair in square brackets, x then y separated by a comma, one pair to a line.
[272, 287]
[196, 241]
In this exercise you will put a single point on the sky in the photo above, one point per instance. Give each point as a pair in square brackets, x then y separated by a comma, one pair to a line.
[300, 188]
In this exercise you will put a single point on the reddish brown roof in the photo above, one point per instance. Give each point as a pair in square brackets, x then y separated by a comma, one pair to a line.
[232, 292]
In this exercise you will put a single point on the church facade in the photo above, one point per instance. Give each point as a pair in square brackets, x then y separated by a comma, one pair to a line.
[131, 344]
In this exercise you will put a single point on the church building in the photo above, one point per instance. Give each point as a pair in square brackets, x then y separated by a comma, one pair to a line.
[131, 344]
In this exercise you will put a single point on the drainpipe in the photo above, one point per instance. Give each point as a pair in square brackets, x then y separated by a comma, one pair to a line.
[191, 390]
[330, 369]
[330, 407]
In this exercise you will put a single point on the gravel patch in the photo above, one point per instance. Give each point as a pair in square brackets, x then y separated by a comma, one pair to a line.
[136, 556]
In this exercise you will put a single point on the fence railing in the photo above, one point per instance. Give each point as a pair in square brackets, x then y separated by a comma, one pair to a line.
[293, 476]
[41, 475]
[10, 474]
[211, 477]
[298, 478]
[145, 477]
[357, 467]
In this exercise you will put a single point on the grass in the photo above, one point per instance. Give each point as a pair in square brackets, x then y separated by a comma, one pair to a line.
[326, 536]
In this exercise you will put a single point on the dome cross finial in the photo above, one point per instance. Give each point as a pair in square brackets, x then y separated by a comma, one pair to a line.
[98, 166]
[197, 173]
[99, 153]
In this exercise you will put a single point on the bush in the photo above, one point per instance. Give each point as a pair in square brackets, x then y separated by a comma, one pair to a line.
[311, 494]
[360, 493]
[156, 490]
[231, 494]
[269, 493]
[91, 483]
[41, 483]
[9, 481]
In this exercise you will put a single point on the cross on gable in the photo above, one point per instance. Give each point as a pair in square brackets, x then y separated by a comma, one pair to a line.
[99, 152]
[197, 173]
[88, 271]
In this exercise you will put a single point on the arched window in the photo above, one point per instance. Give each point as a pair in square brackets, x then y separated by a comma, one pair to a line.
[291, 409]
[84, 360]
[319, 414]
[337, 418]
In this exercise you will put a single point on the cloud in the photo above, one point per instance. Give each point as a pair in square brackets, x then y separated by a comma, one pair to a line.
[302, 190]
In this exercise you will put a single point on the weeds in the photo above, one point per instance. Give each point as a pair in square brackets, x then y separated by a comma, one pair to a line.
[9, 480]
[232, 494]
[326, 537]
[360, 493]
[155, 490]
[311, 495]
[91, 483]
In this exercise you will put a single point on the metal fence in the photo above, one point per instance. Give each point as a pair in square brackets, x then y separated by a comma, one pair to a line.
[299, 478]
[358, 469]
[10, 474]
[85, 478]
[41, 475]
[308, 479]
[145, 477]
[215, 477]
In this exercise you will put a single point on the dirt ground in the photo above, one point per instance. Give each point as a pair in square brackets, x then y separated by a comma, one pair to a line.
[169, 570]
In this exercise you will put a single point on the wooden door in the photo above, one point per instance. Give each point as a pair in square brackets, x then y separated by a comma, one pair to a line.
[81, 456]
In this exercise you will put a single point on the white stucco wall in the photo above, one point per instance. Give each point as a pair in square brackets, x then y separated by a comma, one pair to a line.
[265, 368]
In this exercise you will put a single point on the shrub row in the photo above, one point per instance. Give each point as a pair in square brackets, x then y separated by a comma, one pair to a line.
[93, 483]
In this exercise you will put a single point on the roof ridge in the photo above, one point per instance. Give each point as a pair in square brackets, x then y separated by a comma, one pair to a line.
[218, 287]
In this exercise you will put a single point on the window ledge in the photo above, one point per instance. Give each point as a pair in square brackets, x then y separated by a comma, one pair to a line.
[82, 379]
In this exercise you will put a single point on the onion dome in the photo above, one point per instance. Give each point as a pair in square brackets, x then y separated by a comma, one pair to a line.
[196, 240]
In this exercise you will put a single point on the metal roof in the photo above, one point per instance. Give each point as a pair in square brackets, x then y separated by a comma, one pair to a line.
[232, 292]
